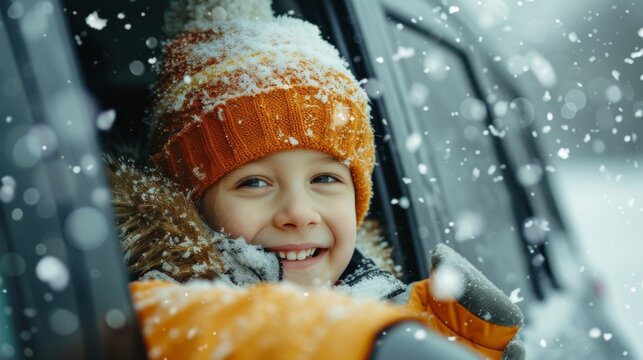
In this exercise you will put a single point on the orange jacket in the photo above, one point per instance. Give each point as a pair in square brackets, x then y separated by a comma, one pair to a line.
[265, 321]
[205, 320]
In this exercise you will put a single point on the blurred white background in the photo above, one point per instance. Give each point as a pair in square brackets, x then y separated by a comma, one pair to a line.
[605, 210]
[588, 55]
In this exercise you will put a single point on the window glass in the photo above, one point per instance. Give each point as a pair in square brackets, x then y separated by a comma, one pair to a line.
[7, 334]
[13, 106]
[514, 116]
[448, 125]
[57, 296]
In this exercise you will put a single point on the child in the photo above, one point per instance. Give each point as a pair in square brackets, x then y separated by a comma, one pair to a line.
[259, 120]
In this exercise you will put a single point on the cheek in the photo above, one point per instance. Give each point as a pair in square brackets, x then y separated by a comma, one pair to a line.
[230, 216]
[344, 228]
[234, 221]
[345, 242]
[343, 252]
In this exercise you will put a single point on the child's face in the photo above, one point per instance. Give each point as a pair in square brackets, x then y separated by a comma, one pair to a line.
[293, 203]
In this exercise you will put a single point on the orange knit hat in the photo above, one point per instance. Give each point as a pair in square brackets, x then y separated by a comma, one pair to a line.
[238, 84]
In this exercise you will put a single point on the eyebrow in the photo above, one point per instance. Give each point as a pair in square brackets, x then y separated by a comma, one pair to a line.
[332, 161]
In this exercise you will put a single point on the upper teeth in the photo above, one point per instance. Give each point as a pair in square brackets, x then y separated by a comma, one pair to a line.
[296, 255]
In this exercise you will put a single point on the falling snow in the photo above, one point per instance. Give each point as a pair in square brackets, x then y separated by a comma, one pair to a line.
[403, 53]
[595, 333]
[94, 21]
[448, 282]
[413, 142]
[637, 54]
[515, 297]
[106, 119]
[563, 153]
[573, 37]
[582, 80]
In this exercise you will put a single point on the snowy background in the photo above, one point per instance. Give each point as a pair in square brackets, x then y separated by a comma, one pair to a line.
[605, 210]
[594, 50]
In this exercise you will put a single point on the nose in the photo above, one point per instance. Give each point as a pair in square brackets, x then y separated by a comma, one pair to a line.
[296, 211]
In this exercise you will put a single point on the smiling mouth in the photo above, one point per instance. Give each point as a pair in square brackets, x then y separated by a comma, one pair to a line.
[298, 255]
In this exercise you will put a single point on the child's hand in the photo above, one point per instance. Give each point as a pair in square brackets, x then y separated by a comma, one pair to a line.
[410, 340]
[463, 304]
[478, 295]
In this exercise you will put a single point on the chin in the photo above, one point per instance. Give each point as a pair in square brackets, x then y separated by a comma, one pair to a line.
[307, 280]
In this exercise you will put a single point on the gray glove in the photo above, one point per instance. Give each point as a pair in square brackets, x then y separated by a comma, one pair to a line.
[412, 341]
[481, 297]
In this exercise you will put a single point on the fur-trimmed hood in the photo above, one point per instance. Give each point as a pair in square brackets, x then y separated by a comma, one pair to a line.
[163, 236]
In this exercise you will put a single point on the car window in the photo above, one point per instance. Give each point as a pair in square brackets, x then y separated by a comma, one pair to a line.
[514, 117]
[451, 163]
[451, 125]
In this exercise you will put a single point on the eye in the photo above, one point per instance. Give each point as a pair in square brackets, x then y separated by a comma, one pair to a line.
[325, 179]
[253, 183]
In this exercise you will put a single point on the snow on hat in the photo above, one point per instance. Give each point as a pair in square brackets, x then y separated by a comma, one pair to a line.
[237, 84]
